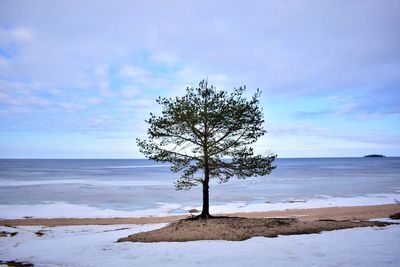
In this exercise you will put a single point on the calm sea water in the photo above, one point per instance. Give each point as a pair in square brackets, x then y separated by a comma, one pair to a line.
[142, 184]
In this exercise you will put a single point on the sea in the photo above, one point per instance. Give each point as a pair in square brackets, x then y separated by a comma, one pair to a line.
[139, 187]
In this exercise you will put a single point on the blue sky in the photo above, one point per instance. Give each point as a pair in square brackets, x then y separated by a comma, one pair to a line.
[78, 78]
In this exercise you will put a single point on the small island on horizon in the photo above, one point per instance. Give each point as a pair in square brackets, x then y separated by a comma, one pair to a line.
[375, 156]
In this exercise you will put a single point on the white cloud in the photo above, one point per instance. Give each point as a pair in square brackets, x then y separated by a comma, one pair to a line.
[25, 100]
[22, 34]
[95, 100]
[15, 36]
[194, 75]
[35, 101]
[3, 62]
[129, 91]
[166, 58]
[286, 48]
[71, 107]
[309, 133]
[139, 103]
[133, 71]
[7, 99]
[104, 89]
[189, 74]
[102, 70]
[294, 129]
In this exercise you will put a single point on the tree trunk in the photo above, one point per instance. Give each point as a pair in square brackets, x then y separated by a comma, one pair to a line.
[205, 213]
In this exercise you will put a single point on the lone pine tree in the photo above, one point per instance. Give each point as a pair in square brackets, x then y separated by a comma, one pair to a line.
[207, 134]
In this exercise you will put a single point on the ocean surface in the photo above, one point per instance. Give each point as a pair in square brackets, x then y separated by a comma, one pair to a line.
[147, 188]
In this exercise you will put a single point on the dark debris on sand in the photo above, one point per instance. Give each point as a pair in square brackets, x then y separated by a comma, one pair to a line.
[16, 264]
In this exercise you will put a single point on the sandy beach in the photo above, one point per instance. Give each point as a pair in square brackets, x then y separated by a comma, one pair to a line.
[333, 213]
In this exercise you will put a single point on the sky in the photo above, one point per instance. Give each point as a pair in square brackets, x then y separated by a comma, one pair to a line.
[79, 78]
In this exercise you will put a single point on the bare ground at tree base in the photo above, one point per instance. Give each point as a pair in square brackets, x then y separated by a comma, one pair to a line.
[239, 228]
[268, 224]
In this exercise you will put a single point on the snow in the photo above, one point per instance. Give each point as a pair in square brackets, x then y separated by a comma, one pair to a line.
[68, 210]
[388, 220]
[323, 202]
[96, 246]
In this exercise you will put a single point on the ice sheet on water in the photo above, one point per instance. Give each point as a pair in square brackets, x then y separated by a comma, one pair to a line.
[93, 182]
[138, 166]
[129, 185]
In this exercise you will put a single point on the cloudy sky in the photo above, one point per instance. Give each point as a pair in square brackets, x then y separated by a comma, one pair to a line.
[78, 78]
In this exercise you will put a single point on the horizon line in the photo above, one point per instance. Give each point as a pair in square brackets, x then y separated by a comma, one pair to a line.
[330, 157]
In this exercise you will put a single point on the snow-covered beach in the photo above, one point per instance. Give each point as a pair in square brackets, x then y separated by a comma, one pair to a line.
[96, 246]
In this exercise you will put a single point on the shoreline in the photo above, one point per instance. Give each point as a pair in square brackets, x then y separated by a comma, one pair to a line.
[309, 214]
[50, 210]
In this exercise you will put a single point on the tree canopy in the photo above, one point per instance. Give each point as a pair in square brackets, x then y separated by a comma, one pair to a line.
[206, 134]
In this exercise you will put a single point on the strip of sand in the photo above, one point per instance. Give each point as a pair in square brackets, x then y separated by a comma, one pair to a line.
[331, 213]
